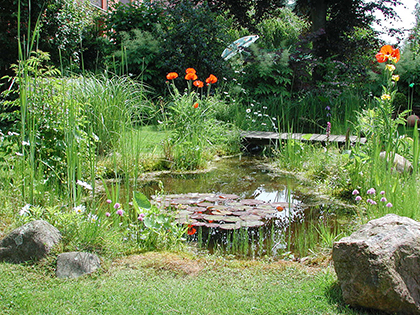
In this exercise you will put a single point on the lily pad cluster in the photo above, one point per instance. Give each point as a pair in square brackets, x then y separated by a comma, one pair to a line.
[221, 211]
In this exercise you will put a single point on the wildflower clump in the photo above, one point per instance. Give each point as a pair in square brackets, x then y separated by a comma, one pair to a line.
[191, 116]
[380, 123]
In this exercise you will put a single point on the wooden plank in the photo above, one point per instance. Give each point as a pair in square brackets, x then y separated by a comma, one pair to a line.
[274, 136]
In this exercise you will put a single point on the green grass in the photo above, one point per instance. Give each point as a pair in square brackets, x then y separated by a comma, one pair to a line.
[163, 283]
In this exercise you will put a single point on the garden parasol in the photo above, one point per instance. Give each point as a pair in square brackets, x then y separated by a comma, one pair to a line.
[238, 45]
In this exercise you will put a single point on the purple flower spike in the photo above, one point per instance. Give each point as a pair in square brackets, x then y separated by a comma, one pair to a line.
[355, 192]
[389, 205]
[117, 205]
[358, 198]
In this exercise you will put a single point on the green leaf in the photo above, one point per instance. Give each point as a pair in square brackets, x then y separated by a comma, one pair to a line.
[307, 136]
[141, 201]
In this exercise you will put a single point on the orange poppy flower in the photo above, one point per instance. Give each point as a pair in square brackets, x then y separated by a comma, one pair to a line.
[191, 76]
[211, 79]
[190, 70]
[388, 52]
[195, 105]
[172, 75]
[198, 83]
[191, 230]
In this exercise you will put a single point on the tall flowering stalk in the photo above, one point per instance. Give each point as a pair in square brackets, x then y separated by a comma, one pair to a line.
[378, 123]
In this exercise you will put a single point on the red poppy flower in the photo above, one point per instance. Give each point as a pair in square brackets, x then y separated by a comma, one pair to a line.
[190, 70]
[211, 79]
[195, 105]
[388, 52]
[172, 75]
[191, 230]
[279, 208]
[198, 83]
[191, 76]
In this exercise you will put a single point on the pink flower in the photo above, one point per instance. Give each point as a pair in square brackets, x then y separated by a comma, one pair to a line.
[382, 192]
[108, 214]
[120, 212]
[371, 191]
[355, 192]
[117, 205]
[141, 217]
[358, 198]
[383, 199]
[389, 205]
[108, 201]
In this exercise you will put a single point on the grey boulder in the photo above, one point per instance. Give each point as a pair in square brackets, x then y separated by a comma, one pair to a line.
[378, 266]
[76, 264]
[31, 241]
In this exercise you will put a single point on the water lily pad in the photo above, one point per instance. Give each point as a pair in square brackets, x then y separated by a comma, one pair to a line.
[195, 209]
[210, 217]
[230, 226]
[231, 218]
[198, 223]
[251, 223]
[229, 196]
[212, 225]
[221, 212]
[197, 216]
[251, 202]
[212, 199]
[250, 217]
[205, 204]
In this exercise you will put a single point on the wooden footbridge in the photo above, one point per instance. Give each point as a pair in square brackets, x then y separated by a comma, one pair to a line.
[267, 138]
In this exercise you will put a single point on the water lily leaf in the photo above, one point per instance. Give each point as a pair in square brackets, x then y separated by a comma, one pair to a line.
[251, 223]
[229, 196]
[230, 226]
[205, 204]
[212, 225]
[231, 218]
[251, 202]
[210, 217]
[250, 217]
[221, 212]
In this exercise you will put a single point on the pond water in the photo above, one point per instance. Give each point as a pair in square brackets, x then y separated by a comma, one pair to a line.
[301, 222]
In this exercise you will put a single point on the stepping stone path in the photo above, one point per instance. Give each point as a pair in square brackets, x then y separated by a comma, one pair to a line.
[222, 211]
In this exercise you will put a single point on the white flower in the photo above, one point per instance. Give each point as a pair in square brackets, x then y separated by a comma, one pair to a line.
[84, 185]
[79, 209]
[248, 110]
[92, 218]
[25, 210]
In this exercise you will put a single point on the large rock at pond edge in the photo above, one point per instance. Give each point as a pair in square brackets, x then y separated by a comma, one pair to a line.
[31, 241]
[378, 266]
[76, 264]
[400, 164]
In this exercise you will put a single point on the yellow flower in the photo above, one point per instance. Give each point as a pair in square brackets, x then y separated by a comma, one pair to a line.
[385, 97]
[395, 78]
[390, 67]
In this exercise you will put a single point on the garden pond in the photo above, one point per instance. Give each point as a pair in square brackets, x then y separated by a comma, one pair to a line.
[242, 206]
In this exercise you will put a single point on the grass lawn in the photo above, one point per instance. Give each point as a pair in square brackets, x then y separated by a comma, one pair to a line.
[167, 283]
